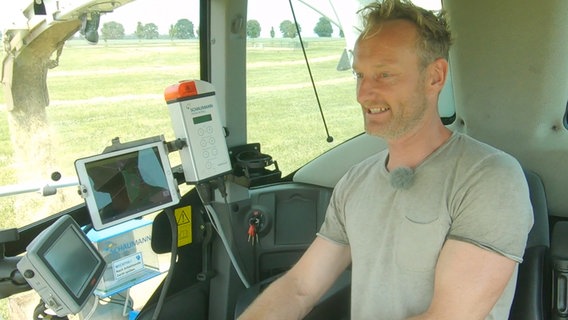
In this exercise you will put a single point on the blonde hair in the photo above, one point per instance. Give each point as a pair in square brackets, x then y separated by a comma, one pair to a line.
[434, 36]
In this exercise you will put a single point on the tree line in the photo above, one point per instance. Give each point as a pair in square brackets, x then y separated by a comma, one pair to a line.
[289, 30]
[185, 29]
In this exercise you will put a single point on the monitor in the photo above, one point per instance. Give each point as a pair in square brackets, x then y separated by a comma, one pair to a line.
[63, 266]
[127, 183]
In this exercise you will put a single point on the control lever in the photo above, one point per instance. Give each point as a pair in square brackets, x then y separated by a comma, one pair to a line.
[207, 272]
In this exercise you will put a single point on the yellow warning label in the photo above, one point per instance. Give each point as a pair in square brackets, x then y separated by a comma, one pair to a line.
[183, 219]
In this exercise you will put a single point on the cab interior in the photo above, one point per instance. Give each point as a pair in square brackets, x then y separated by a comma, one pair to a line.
[508, 86]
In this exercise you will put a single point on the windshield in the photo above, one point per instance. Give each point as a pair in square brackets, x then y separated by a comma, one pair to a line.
[300, 90]
[95, 93]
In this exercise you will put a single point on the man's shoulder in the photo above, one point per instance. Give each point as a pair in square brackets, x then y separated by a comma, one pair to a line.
[476, 157]
[475, 144]
[476, 150]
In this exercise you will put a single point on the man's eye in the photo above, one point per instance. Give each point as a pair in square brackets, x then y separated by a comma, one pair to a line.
[384, 75]
[357, 75]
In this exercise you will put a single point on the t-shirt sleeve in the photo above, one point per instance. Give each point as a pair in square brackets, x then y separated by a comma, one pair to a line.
[492, 208]
[333, 226]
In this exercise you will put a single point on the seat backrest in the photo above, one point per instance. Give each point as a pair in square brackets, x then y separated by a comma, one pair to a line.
[533, 293]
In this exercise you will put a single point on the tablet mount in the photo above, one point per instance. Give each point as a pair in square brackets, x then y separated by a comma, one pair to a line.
[11, 280]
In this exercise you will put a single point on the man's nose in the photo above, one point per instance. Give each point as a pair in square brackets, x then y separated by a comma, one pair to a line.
[364, 90]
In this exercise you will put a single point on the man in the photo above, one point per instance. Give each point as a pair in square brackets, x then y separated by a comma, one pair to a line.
[435, 225]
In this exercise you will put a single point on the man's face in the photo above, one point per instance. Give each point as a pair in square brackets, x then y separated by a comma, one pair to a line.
[390, 80]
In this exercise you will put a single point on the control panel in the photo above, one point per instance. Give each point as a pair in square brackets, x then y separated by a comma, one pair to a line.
[195, 118]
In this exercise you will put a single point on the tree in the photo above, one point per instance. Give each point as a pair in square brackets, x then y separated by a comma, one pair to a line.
[139, 31]
[288, 29]
[112, 30]
[183, 29]
[253, 29]
[172, 32]
[151, 31]
[323, 28]
[272, 32]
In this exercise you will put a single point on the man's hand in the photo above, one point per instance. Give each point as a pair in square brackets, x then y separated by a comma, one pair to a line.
[293, 295]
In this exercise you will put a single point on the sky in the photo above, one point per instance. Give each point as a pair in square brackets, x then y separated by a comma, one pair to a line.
[163, 13]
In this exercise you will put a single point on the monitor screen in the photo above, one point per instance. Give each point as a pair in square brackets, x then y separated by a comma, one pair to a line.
[51, 266]
[125, 184]
[61, 257]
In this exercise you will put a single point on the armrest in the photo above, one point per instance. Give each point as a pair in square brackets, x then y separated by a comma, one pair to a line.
[559, 257]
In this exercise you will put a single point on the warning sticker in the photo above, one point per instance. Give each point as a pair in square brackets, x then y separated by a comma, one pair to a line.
[127, 265]
[183, 219]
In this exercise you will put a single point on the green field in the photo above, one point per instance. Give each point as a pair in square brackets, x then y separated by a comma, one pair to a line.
[116, 90]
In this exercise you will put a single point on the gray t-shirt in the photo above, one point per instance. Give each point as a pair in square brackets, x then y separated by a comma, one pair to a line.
[465, 190]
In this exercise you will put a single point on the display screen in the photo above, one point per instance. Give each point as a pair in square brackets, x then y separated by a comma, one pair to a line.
[71, 261]
[62, 266]
[201, 119]
[128, 184]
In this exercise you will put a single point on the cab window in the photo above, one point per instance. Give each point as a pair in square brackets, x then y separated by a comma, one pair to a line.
[283, 110]
[97, 92]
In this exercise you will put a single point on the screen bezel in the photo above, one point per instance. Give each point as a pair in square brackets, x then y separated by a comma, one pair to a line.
[88, 192]
[36, 253]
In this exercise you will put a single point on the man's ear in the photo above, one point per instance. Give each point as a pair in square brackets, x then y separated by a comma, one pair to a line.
[438, 71]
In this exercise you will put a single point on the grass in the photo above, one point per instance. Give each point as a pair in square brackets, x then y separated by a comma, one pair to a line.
[116, 90]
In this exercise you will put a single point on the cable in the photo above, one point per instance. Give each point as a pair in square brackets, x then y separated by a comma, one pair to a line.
[173, 257]
[93, 309]
[125, 306]
[40, 312]
[119, 302]
[204, 193]
[213, 215]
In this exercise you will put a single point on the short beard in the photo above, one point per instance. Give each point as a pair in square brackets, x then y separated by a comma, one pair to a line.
[404, 124]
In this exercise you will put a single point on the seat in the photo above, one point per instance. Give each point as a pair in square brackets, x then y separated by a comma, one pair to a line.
[532, 299]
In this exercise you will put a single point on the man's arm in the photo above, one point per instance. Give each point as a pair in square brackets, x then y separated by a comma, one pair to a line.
[468, 282]
[293, 295]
